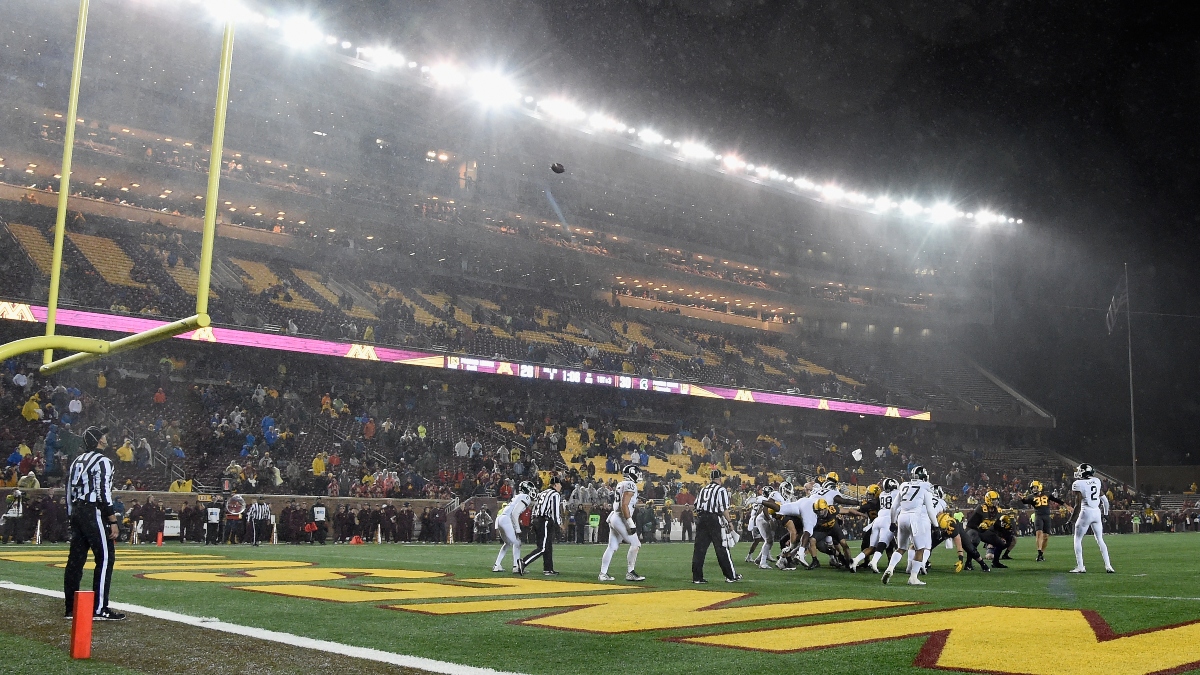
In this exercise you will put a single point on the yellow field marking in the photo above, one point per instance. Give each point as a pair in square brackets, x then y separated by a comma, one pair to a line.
[155, 560]
[61, 556]
[1068, 642]
[204, 565]
[654, 610]
[427, 591]
[295, 574]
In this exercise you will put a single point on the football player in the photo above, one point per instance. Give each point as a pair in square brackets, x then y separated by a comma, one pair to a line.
[913, 515]
[879, 530]
[948, 527]
[761, 524]
[621, 526]
[1088, 515]
[828, 535]
[982, 522]
[940, 506]
[1040, 501]
[826, 489]
[508, 524]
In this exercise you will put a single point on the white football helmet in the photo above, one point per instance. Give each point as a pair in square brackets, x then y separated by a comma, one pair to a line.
[787, 490]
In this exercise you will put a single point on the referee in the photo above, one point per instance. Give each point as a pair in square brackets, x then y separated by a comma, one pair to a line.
[546, 515]
[712, 506]
[259, 516]
[90, 508]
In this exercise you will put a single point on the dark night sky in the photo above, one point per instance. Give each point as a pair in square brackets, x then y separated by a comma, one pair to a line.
[1080, 117]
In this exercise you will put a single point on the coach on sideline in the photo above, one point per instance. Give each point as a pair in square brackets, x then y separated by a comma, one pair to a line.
[93, 523]
[712, 505]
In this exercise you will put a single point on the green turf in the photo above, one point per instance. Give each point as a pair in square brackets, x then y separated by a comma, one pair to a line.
[30, 657]
[1156, 585]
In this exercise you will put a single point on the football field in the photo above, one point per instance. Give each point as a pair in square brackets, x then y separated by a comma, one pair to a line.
[294, 608]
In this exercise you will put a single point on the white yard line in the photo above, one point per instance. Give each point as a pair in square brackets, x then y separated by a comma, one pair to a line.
[404, 660]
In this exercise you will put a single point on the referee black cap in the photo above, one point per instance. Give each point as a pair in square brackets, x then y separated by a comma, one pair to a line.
[92, 436]
[715, 475]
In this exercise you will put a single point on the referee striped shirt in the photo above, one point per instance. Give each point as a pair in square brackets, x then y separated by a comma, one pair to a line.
[259, 511]
[549, 506]
[714, 498]
[90, 482]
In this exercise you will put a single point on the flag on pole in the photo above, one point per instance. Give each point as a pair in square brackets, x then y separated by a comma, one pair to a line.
[1120, 298]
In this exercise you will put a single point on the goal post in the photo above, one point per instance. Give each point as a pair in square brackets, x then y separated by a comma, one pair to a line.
[89, 349]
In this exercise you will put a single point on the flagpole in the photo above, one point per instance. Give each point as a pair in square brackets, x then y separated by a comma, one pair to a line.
[1129, 345]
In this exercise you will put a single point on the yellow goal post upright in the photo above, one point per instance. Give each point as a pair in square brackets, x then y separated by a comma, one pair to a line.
[88, 349]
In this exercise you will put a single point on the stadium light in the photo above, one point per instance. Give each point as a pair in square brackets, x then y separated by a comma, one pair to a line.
[447, 75]
[561, 109]
[695, 151]
[301, 33]
[493, 89]
[604, 122]
[832, 192]
[942, 212]
[232, 10]
[650, 137]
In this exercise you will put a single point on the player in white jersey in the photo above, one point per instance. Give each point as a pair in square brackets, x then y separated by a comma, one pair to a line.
[1089, 513]
[881, 527]
[913, 515]
[827, 489]
[751, 525]
[764, 521]
[508, 524]
[940, 506]
[621, 527]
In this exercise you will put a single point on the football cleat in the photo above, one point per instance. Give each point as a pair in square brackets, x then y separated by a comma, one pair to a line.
[984, 566]
[874, 569]
[748, 557]
[853, 566]
[699, 581]
[887, 576]
[606, 577]
[550, 573]
[1041, 557]
[634, 576]
[107, 614]
[521, 567]
[497, 568]
[764, 566]
[999, 565]
[733, 580]
[915, 582]
[1110, 570]
[1077, 570]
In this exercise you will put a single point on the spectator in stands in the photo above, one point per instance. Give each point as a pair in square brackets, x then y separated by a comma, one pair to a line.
[32, 410]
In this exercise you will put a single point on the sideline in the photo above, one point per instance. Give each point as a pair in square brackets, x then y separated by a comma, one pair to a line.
[366, 653]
